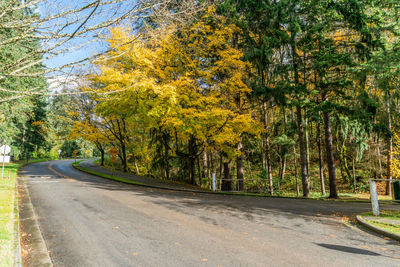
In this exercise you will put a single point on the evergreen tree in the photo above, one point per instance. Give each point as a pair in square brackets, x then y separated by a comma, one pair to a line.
[22, 119]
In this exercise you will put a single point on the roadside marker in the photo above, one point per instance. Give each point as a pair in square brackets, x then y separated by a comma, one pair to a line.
[5, 149]
[374, 197]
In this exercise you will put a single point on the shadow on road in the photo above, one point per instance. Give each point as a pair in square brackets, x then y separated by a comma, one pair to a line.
[264, 210]
[348, 249]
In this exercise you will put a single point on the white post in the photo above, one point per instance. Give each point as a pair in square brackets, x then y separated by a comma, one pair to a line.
[4, 158]
[374, 197]
[214, 182]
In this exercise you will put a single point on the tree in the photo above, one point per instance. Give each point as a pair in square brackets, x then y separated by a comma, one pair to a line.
[22, 121]
[396, 156]
[186, 82]
[87, 126]
[175, 94]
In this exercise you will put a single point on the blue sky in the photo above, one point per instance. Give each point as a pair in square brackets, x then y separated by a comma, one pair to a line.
[90, 43]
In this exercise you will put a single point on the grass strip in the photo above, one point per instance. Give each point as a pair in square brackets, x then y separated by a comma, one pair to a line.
[8, 214]
[393, 215]
[392, 228]
[388, 214]
[107, 176]
[249, 194]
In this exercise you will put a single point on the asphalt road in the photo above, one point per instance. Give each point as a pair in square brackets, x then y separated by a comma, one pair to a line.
[90, 221]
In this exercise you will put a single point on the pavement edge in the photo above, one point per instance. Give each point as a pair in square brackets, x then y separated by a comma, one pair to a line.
[38, 254]
[365, 223]
[17, 232]
[125, 181]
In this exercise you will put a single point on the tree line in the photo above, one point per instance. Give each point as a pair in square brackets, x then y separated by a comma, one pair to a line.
[38, 43]
[299, 95]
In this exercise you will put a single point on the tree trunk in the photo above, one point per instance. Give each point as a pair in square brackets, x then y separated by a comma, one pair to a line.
[227, 183]
[303, 156]
[390, 146]
[320, 159]
[239, 167]
[354, 176]
[212, 166]
[102, 156]
[267, 150]
[307, 143]
[283, 168]
[136, 166]
[329, 156]
[21, 156]
[263, 154]
[303, 152]
[284, 154]
[269, 169]
[123, 158]
[205, 165]
[200, 174]
[379, 159]
[221, 163]
[191, 161]
[295, 171]
[166, 156]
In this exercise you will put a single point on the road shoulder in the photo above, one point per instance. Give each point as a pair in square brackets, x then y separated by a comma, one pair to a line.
[34, 249]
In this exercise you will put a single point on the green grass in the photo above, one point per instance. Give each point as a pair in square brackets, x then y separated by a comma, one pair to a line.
[386, 226]
[387, 214]
[111, 177]
[8, 216]
[123, 180]
[344, 197]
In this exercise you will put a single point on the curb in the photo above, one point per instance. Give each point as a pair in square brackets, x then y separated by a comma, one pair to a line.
[365, 223]
[39, 254]
[126, 181]
[226, 193]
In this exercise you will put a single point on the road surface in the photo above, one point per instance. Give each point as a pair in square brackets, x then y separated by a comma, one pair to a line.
[90, 221]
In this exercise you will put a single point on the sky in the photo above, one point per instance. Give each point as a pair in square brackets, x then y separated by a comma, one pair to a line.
[79, 47]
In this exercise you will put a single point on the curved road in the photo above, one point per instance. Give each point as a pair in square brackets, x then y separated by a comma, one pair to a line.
[90, 221]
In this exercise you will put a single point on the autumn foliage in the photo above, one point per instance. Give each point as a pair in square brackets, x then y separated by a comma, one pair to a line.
[289, 95]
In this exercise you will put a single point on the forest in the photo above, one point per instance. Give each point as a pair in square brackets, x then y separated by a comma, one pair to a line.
[285, 97]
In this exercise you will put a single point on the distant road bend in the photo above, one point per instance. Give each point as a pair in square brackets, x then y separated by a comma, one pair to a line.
[90, 221]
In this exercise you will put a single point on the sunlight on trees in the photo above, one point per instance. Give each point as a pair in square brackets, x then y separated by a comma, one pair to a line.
[288, 97]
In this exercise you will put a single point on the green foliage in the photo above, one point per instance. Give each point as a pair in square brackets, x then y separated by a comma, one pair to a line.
[8, 217]
[68, 147]
[243, 86]
[21, 119]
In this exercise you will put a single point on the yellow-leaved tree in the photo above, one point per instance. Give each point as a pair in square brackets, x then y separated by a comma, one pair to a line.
[184, 82]
[396, 156]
